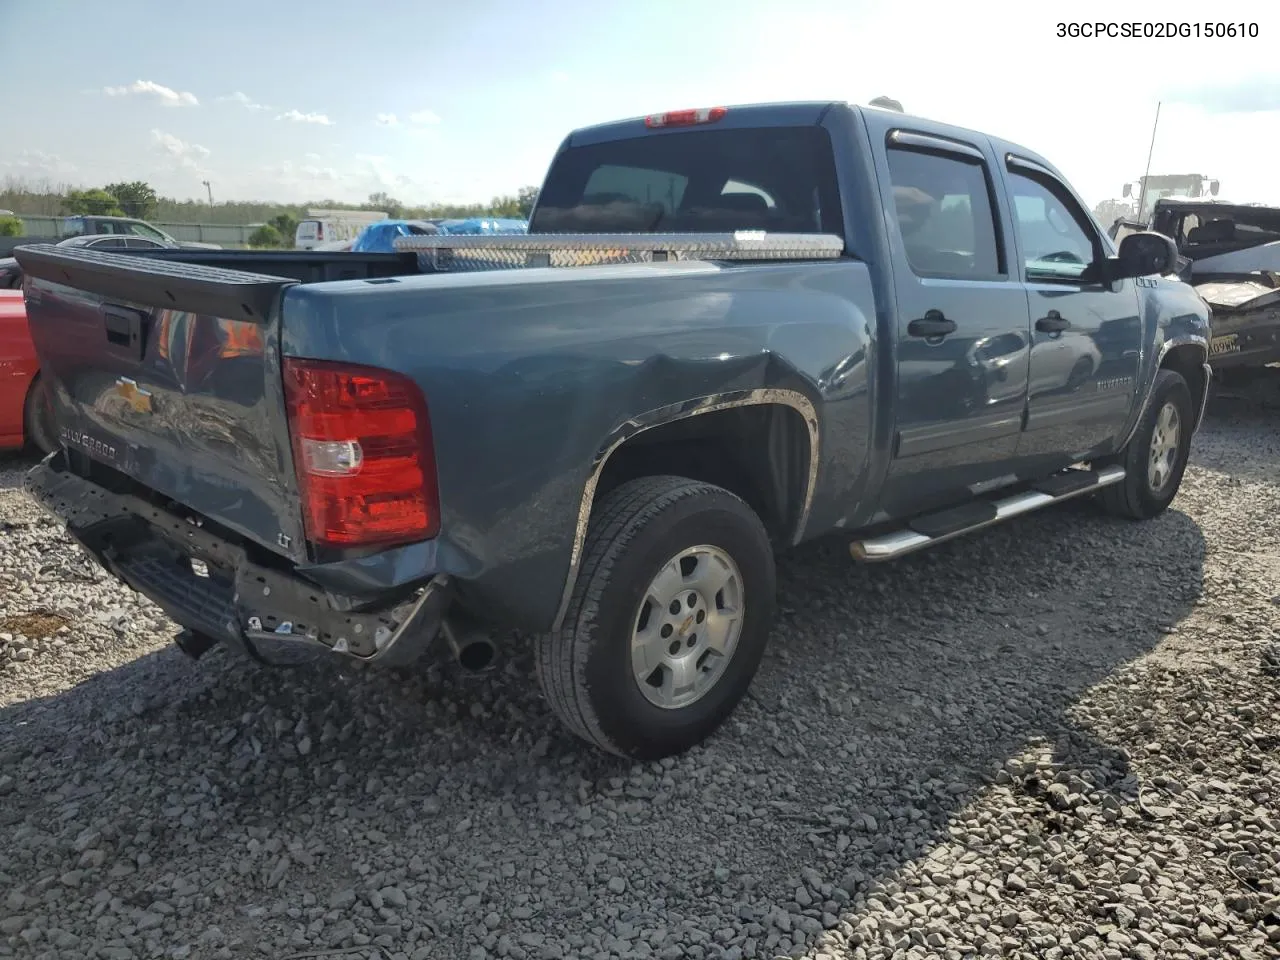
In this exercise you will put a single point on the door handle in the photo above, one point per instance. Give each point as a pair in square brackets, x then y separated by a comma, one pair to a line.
[1053, 323]
[933, 324]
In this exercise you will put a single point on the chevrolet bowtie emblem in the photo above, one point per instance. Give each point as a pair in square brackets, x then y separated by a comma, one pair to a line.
[134, 395]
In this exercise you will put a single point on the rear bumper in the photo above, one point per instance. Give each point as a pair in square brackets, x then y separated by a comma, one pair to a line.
[211, 585]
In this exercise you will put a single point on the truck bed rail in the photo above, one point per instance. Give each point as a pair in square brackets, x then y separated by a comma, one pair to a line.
[459, 253]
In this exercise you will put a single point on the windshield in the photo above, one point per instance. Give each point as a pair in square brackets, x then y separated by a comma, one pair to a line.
[774, 178]
[1158, 191]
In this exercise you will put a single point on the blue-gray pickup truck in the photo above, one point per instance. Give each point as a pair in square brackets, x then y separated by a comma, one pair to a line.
[726, 332]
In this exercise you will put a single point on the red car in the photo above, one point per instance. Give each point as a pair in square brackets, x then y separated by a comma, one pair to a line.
[26, 413]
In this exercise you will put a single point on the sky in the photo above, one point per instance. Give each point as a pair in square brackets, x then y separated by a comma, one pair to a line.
[457, 102]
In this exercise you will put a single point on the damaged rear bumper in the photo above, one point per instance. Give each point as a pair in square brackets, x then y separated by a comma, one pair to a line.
[1246, 321]
[210, 585]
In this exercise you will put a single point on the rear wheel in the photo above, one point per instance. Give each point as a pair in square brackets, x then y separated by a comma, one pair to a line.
[1156, 457]
[668, 619]
[40, 426]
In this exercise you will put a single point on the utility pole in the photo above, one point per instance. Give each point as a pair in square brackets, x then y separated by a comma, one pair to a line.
[1142, 188]
[210, 190]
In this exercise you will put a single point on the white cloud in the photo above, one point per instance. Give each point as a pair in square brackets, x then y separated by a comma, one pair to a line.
[318, 173]
[39, 162]
[419, 118]
[149, 88]
[301, 175]
[297, 116]
[379, 167]
[244, 100]
[187, 155]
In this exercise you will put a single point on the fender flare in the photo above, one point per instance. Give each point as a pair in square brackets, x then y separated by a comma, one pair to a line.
[1166, 347]
[682, 411]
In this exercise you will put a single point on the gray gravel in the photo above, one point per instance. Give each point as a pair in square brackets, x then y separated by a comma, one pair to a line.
[1055, 739]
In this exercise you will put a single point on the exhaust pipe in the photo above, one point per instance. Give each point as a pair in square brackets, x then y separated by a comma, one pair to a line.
[474, 652]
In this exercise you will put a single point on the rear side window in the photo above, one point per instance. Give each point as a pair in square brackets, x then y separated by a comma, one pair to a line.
[944, 209]
[780, 179]
[307, 229]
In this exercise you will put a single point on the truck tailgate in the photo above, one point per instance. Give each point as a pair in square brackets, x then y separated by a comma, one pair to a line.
[170, 374]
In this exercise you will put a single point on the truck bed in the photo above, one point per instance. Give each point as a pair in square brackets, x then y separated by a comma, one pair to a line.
[168, 366]
[304, 266]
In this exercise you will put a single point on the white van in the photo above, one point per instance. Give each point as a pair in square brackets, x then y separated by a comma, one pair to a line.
[332, 228]
[314, 233]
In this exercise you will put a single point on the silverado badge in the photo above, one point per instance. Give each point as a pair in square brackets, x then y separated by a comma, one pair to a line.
[134, 395]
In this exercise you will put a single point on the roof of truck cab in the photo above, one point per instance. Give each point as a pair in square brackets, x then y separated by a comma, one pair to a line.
[799, 113]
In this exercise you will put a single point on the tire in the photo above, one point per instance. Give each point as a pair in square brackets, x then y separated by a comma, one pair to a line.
[39, 423]
[1137, 496]
[587, 669]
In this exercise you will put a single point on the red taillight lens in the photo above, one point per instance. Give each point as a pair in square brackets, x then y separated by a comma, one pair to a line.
[685, 118]
[363, 454]
[319, 231]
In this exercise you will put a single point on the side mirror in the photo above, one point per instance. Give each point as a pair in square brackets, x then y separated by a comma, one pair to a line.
[1213, 187]
[1143, 254]
[1128, 189]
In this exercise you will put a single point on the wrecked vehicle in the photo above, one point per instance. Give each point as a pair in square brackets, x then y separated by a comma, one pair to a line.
[1231, 254]
[727, 331]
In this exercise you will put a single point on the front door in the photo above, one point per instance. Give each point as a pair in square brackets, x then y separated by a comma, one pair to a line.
[963, 326]
[1086, 335]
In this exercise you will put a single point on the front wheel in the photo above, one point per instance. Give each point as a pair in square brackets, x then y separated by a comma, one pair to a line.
[1156, 457]
[668, 619]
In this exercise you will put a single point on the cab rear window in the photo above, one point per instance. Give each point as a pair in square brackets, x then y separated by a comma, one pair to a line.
[780, 179]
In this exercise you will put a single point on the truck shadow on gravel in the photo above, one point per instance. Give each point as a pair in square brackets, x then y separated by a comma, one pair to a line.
[889, 695]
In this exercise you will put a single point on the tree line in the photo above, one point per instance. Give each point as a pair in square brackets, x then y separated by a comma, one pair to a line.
[279, 220]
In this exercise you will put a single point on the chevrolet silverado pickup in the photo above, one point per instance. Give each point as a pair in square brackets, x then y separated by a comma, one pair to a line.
[727, 331]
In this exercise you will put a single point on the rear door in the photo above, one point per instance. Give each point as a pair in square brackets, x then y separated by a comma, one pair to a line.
[962, 337]
[305, 237]
[169, 373]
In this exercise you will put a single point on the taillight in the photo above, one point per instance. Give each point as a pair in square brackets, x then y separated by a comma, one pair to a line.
[685, 118]
[319, 231]
[363, 453]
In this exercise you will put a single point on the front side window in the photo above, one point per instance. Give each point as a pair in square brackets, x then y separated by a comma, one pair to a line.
[1056, 245]
[150, 232]
[944, 209]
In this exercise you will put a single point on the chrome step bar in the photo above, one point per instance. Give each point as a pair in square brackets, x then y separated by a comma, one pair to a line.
[889, 546]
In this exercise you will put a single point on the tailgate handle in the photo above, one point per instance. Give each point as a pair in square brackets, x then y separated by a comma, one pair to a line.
[126, 328]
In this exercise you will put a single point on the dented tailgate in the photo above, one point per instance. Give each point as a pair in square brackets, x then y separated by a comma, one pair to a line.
[170, 373]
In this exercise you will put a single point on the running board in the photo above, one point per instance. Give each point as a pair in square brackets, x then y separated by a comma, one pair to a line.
[947, 524]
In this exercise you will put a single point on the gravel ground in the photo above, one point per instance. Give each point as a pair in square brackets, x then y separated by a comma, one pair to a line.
[1055, 739]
